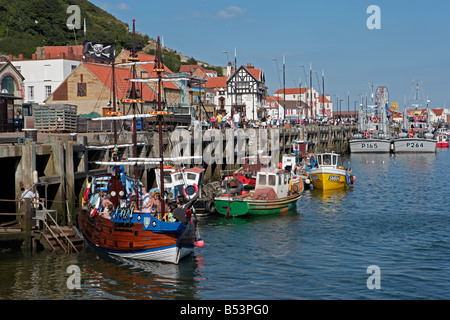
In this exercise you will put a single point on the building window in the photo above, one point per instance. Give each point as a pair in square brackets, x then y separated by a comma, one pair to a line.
[31, 93]
[8, 85]
[81, 90]
[48, 91]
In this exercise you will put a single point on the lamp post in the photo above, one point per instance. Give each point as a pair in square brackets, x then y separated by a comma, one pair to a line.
[279, 81]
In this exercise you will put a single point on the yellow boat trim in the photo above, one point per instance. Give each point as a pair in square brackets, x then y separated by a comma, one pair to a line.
[327, 181]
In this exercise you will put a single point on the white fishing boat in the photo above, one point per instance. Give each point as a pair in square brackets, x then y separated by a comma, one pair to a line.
[416, 135]
[373, 127]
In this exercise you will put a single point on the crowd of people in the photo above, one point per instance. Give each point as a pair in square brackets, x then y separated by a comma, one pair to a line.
[221, 120]
[149, 202]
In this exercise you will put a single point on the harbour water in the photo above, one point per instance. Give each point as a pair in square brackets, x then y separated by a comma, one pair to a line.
[396, 217]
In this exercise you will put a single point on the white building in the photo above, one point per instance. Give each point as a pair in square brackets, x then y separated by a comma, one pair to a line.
[42, 77]
[309, 100]
[47, 70]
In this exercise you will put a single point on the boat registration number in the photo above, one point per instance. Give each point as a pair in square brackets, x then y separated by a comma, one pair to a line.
[334, 178]
[414, 145]
[314, 177]
[369, 146]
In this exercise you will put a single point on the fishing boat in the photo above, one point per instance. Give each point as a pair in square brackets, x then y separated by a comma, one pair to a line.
[442, 141]
[188, 183]
[118, 225]
[416, 135]
[329, 174]
[442, 136]
[246, 174]
[373, 130]
[276, 191]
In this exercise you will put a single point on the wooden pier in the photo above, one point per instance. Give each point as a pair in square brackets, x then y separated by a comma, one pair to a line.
[60, 164]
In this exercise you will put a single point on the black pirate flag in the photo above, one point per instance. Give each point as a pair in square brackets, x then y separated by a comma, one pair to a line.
[104, 52]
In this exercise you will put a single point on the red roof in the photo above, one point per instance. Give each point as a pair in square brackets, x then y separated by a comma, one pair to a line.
[321, 99]
[438, 112]
[104, 74]
[142, 56]
[189, 67]
[54, 52]
[216, 82]
[292, 91]
[254, 72]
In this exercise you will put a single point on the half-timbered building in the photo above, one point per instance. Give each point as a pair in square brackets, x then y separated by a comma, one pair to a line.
[247, 91]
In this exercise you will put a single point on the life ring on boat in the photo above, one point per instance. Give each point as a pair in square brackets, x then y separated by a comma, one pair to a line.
[423, 118]
[417, 117]
[190, 196]
[374, 119]
[411, 134]
[366, 134]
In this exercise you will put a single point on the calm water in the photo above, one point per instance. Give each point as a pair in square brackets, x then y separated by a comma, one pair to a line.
[396, 217]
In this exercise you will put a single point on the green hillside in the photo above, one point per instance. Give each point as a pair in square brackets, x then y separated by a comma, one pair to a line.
[27, 24]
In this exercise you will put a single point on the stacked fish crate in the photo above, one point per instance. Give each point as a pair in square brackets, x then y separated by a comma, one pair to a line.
[55, 118]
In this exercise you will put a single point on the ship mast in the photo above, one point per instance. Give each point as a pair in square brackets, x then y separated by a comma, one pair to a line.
[134, 100]
[159, 68]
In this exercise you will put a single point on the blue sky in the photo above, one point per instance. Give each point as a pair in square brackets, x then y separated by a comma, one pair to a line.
[412, 44]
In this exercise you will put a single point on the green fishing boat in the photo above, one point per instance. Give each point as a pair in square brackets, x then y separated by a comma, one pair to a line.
[276, 191]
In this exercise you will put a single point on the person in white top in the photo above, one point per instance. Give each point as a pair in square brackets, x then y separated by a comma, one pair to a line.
[236, 118]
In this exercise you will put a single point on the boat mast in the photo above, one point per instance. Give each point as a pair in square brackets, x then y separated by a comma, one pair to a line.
[133, 105]
[159, 68]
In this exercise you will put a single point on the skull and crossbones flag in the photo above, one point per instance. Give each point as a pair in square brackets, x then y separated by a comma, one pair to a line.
[104, 52]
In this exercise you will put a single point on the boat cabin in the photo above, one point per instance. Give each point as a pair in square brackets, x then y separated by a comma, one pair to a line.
[277, 180]
[328, 160]
[175, 180]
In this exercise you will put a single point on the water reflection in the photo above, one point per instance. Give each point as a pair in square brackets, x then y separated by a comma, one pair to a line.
[149, 280]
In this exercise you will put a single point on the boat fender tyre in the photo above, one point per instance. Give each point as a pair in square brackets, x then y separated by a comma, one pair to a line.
[210, 206]
[411, 134]
[347, 179]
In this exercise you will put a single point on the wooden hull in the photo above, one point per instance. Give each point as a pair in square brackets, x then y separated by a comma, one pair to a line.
[240, 207]
[333, 179]
[142, 237]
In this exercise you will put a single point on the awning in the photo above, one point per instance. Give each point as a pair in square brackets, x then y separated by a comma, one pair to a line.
[9, 96]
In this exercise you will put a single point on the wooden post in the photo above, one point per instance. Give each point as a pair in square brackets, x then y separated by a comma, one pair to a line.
[26, 223]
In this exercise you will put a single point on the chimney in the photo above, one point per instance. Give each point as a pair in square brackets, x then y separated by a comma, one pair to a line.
[34, 56]
[250, 66]
[10, 57]
[21, 57]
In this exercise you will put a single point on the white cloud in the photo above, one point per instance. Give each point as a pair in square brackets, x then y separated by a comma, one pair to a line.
[112, 7]
[231, 12]
[123, 6]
